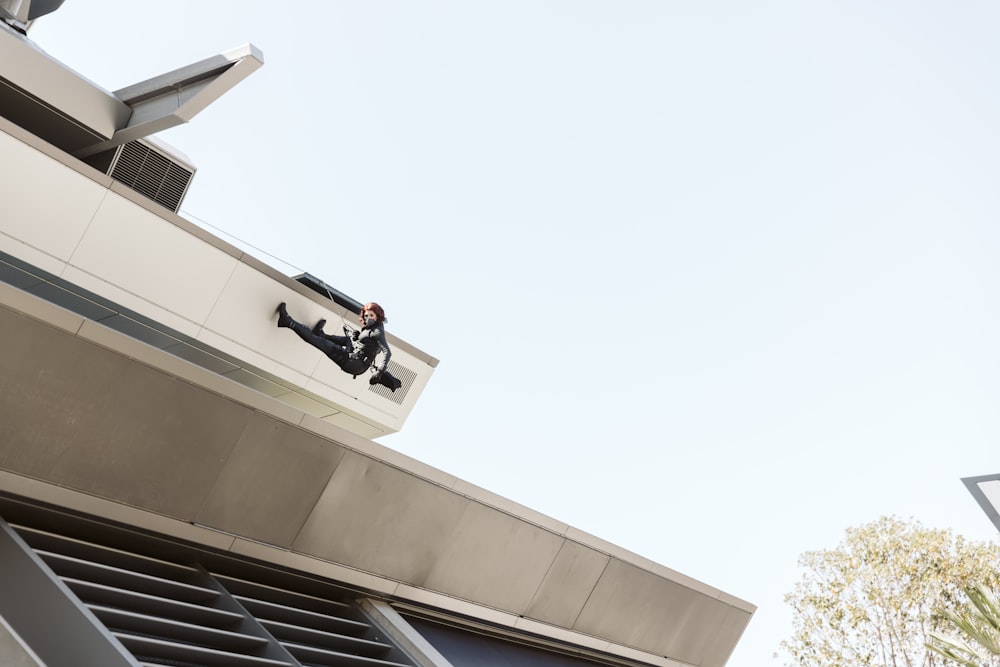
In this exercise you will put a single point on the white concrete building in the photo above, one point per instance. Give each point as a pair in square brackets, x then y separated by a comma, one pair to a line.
[180, 485]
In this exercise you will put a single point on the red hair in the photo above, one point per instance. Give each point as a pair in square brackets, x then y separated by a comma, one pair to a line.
[375, 308]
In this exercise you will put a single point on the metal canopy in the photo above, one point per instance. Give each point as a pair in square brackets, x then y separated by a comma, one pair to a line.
[59, 105]
[174, 98]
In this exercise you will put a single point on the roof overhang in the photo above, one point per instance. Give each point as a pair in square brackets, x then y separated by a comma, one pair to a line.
[52, 101]
[45, 97]
[99, 423]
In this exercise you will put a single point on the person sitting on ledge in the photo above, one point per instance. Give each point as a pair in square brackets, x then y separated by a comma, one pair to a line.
[355, 353]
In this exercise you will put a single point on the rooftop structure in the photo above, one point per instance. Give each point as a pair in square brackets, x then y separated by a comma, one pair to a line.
[180, 485]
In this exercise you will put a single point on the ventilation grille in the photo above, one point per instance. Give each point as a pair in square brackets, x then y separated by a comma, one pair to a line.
[401, 373]
[315, 631]
[151, 172]
[165, 613]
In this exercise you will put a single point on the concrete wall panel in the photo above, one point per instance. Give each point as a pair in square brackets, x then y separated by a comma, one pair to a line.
[129, 245]
[87, 418]
[494, 558]
[31, 214]
[354, 425]
[567, 585]
[381, 519]
[244, 314]
[375, 517]
[729, 631]
[676, 621]
[270, 482]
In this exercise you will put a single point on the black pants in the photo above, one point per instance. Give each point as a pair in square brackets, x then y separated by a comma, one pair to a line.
[339, 354]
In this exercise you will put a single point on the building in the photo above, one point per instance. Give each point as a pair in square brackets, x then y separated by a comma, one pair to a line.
[179, 486]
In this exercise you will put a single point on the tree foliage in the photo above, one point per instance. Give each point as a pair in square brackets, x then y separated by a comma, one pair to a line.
[875, 599]
[978, 626]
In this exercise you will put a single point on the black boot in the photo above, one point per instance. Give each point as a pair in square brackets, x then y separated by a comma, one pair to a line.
[284, 320]
[318, 329]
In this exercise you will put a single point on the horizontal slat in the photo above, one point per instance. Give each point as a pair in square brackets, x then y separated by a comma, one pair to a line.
[40, 539]
[150, 648]
[310, 619]
[120, 619]
[311, 653]
[68, 566]
[151, 604]
[299, 634]
[283, 596]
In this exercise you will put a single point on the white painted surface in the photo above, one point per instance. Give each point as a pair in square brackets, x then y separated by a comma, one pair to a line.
[148, 260]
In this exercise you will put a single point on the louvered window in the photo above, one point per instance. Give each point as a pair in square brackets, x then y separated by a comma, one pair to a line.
[157, 612]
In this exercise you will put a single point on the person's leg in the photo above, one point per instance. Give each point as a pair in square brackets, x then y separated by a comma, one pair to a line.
[355, 366]
[337, 353]
[342, 341]
[284, 321]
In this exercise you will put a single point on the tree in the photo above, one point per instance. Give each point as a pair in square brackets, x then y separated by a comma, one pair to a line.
[979, 622]
[875, 599]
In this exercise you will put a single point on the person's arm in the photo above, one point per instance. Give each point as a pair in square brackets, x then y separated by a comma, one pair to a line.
[383, 355]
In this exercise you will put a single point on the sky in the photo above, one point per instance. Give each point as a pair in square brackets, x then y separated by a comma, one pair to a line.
[711, 281]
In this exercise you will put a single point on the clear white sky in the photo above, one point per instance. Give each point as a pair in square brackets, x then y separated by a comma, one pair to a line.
[712, 281]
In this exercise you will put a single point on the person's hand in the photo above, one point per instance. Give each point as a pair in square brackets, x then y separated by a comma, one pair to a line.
[355, 335]
[375, 378]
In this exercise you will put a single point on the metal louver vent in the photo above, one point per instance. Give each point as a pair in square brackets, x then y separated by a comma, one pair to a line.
[314, 630]
[155, 612]
[152, 172]
[401, 373]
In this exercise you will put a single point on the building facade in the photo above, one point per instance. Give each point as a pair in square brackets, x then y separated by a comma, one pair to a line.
[179, 486]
